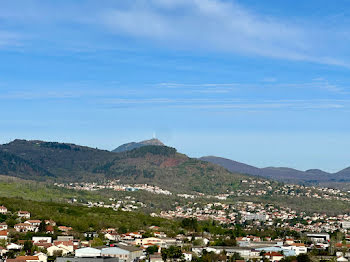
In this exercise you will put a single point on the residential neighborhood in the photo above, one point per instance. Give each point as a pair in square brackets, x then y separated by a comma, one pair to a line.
[42, 240]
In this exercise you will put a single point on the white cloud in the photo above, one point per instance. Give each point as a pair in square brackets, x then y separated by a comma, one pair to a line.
[219, 26]
[208, 25]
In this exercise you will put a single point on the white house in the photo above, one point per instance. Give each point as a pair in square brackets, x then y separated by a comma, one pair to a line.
[3, 210]
[149, 241]
[58, 249]
[13, 246]
[274, 256]
[35, 223]
[23, 214]
[187, 256]
[299, 248]
[112, 236]
[25, 227]
[3, 251]
[42, 257]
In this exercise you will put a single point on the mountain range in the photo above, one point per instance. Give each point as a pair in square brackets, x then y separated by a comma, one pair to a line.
[285, 174]
[148, 161]
[153, 164]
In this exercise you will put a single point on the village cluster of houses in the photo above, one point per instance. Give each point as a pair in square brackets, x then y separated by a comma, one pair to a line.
[132, 246]
[114, 185]
[254, 214]
[253, 187]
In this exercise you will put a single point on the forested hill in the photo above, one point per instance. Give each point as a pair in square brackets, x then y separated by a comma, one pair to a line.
[158, 165]
[13, 165]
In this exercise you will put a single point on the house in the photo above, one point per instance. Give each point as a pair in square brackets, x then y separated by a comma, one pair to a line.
[25, 227]
[150, 241]
[90, 234]
[3, 226]
[187, 256]
[167, 242]
[60, 249]
[13, 246]
[64, 228]
[135, 252]
[289, 241]
[35, 223]
[299, 248]
[3, 251]
[69, 245]
[3, 235]
[23, 214]
[42, 239]
[135, 235]
[50, 222]
[42, 257]
[50, 229]
[43, 245]
[123, 252]
[159, 234]
[112, 236]
[65, 238]
[274, 256]
[3, 210]
[87, 252]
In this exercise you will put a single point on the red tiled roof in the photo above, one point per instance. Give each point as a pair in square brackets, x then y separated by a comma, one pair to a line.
[274, 254]
[23, 258]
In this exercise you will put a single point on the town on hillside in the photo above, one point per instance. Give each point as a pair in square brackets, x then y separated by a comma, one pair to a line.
[297, 237]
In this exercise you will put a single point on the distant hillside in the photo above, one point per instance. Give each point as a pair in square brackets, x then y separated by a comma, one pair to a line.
[312, 176]
[13, 165]
[158, 165]
[134, 145]
[343, 175]
[233, 165]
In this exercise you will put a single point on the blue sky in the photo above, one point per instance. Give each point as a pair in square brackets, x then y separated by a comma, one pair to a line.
[261, 82]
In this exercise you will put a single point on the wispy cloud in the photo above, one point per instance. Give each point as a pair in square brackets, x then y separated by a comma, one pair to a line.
[316, 84]
[224, 26]
[227, 104]
[8, 39]
[206, 25]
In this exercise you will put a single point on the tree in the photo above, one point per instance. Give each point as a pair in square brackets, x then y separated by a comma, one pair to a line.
[303, 258]
[27, 247]
[172, 253]
[190, 224]
[42, 226]
[96, 242]
[151, 250]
